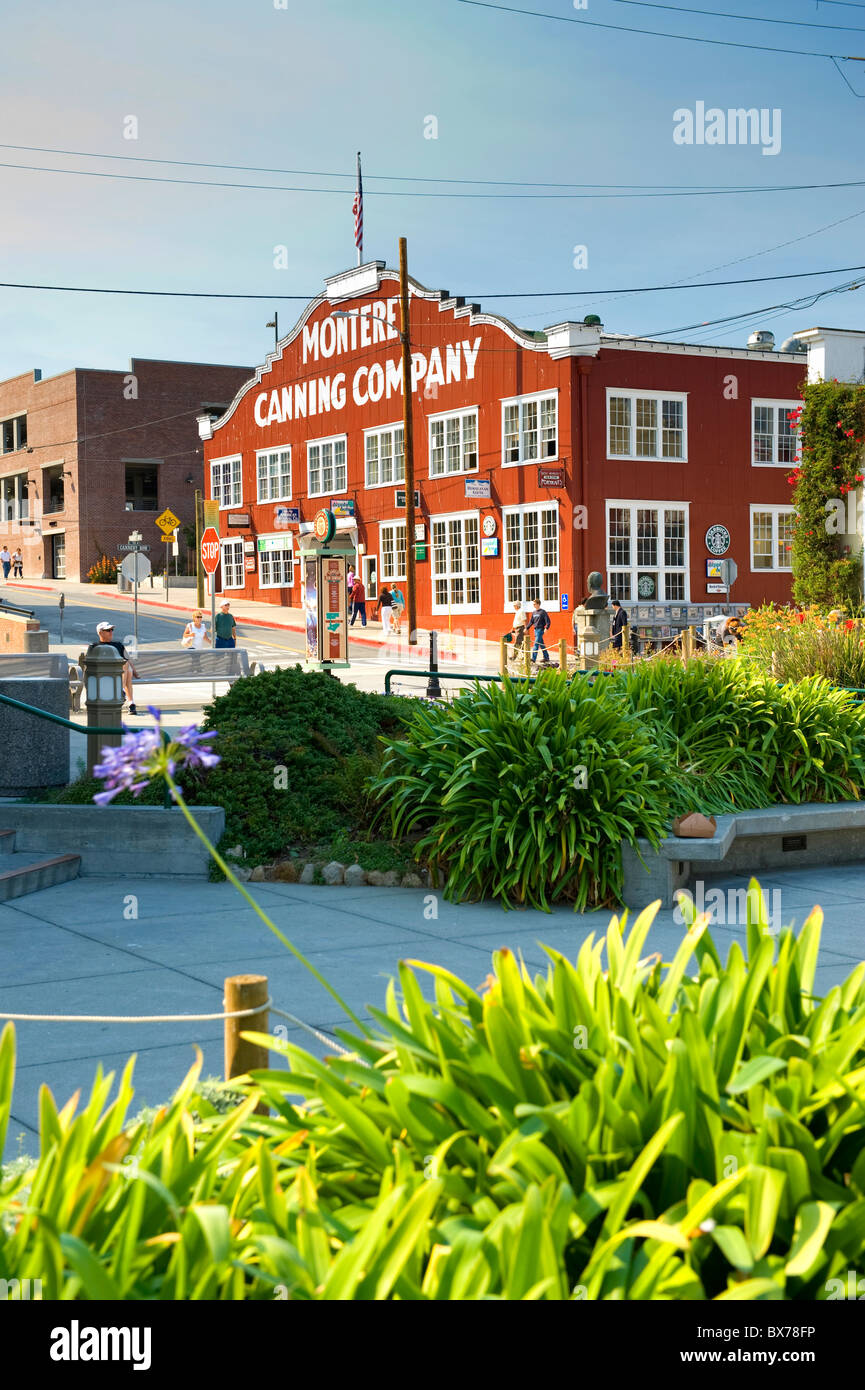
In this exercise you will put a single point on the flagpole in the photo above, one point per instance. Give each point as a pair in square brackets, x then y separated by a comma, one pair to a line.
[359, 208]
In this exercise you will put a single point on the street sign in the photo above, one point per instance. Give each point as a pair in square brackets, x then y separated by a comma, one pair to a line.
[135, 568]
[729, 572]
[127, 546]
[168, 521]
[211, 512]
[170, 539]
[210, 550]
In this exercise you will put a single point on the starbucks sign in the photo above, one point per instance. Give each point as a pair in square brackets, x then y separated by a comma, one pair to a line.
[717, 540]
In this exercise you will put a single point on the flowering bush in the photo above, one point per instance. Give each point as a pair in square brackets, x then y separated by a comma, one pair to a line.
[104, 571]
[831, 428]
[792, 646]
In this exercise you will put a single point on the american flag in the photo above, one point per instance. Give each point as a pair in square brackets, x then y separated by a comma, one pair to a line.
[357, 209]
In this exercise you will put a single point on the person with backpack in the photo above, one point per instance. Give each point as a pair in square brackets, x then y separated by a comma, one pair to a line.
[539, 619]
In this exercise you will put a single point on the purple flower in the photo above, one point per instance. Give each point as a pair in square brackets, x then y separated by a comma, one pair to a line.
[147, 754]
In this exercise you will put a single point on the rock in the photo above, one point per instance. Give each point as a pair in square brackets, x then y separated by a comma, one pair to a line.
[241, 873]
[333, 872]
[354, 876]
[375, 877]
[307, 873]
[411, 880]
[425, 877]
[390, 879]
[236, 852]
[285, 872]
[257, 875]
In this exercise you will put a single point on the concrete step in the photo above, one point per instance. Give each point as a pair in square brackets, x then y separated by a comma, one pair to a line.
[29, 873]
[7, 841]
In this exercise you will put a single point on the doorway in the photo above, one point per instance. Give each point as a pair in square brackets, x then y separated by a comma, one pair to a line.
[369, 575]
[57, 556]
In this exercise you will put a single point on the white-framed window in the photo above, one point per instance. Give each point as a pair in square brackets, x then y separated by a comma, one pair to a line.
[273, 475]
[530, 429]
[226, 481]
[326, 469]
[392, 548]
[531, 553]
[384, 452]
[453, 443]
[647, 551]
[771, 538]
[647, 424]
[456, 563]
[275, 562]
[774, 442]
[232, 564]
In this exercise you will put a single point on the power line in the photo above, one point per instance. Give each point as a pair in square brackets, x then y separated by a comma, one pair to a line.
[806, 301]
[522, 294]
[653, 33]
[751, 18]
[680, 192]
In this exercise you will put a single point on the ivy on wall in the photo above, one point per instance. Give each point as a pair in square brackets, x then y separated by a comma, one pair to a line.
[830, 422]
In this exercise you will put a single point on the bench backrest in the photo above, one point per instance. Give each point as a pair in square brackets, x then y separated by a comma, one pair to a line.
[171, 663]
[34, 666]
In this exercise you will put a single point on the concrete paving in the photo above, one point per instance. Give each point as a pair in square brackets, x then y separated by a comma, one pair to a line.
[154, 945]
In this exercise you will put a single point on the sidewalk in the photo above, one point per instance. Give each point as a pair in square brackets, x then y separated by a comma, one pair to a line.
[73, 950]
[459, 646]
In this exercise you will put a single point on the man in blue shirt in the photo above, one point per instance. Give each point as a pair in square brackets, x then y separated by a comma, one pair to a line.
[539, 619]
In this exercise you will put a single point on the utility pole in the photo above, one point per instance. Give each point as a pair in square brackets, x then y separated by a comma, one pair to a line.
[199, 568]
[408, 443]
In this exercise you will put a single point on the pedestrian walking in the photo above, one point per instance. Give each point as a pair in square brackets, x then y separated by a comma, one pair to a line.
[195, 634]
[349, 579]
[384, 610]
[6, 560]
[105, 634]
[357, 595]
[226, 627]
[619, 623]
[398, 607]
[518, 631]
[539, 620]
[18, 565]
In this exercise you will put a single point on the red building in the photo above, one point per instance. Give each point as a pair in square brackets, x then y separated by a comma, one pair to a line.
[538, 458]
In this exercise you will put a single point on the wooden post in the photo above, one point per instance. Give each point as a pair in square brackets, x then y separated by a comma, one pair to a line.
[503, 657]
[527, 650]
[245, 992]
[408, 445]
[563, 654]
[199, 568]
[692, 641]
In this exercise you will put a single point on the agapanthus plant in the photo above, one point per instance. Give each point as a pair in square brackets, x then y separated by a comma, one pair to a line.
[153, 753]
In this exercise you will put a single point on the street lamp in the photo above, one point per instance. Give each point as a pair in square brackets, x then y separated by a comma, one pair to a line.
[408, 438]
[274, 324]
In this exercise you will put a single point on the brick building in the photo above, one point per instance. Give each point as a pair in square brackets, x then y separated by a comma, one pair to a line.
[89, 455]
[538, 457]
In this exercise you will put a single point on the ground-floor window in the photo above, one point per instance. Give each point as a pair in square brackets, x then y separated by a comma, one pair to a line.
[772, 538]
[532, 554]
[392, 544]
[275, 563]
[647, 551]
[456, 563]
[232, 564]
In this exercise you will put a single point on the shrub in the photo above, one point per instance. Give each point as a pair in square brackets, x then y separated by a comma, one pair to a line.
[623, 1134]
[792, 645]
[526, 793]
[324, 735]
[831, 425]
[104, 571]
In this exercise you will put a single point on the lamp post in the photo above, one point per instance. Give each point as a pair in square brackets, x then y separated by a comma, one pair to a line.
[103, 682]
[274, 324]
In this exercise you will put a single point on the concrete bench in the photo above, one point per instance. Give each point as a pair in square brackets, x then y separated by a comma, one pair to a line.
[817, 832]
[158, 666]
[21, 666]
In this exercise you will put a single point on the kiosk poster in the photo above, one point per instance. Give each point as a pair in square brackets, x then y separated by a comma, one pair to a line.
[310, 603]
[333, 618]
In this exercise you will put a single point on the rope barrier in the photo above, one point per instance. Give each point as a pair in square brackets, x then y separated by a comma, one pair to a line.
[135, 1018]
[322, 1037]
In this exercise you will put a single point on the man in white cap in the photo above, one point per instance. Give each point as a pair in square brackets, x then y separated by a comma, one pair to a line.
[105, 633]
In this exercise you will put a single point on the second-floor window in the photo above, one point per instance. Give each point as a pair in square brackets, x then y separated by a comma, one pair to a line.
[773, 439]
[530, 430]
[273, 471]
[13, 434]
[226, 484]
[453, 443]
[326, 468]
[646, 425]
[385, 456]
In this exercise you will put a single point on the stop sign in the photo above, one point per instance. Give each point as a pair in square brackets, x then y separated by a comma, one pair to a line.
[210, 549]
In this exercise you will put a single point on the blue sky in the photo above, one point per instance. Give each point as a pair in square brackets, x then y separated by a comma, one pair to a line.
[515, 98]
